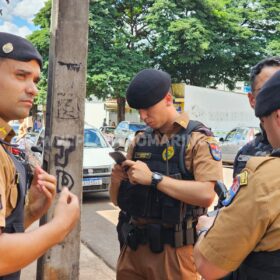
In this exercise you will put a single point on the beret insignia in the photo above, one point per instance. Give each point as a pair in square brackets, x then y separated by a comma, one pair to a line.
[8, 48]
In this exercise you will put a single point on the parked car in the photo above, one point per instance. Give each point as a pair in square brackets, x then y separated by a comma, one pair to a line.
[125, 131]
[108, 133]
[234, 140]
[97, 164]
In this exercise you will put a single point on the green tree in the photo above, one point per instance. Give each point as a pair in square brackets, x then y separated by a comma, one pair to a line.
[41, 39]
[208, 42]
[117, 47]
[200, 42]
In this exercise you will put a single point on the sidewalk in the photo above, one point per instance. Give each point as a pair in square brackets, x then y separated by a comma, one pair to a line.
[91, 268]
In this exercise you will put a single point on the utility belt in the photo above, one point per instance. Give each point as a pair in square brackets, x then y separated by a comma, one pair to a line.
[157, 235]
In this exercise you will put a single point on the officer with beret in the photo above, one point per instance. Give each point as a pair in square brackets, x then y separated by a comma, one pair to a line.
[259, 146]
[244, 241]
[21, 205]
[166, 182]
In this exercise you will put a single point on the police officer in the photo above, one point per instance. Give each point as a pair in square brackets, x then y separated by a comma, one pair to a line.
[259, 146]
[20, 65]
[170, 174]
[245, 237]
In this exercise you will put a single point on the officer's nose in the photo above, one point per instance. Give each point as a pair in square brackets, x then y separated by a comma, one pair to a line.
[143, 114]
[32, 89]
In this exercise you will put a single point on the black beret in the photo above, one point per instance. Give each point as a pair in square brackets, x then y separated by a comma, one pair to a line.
[147, 88]
[18, 48]
[268, 99]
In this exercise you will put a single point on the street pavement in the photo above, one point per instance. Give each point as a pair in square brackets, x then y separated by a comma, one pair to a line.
[92, 267]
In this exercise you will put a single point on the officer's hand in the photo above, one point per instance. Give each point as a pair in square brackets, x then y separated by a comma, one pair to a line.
[205, 222]
[42, 192]
[138, 172]
[118, 174]
[67, 211]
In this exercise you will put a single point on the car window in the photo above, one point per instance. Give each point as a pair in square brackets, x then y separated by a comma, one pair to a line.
[136, 126]
[241, 134]
[92, 138]
[230, 135]
[109, 130]
[120, 125]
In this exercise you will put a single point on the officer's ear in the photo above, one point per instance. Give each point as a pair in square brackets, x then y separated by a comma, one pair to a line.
[169, 99]
[252, 99]
[278, 117]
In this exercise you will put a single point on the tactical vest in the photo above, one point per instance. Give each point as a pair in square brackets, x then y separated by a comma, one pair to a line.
[168, 159]
[259, 265]
[259, 146]
[15, 222]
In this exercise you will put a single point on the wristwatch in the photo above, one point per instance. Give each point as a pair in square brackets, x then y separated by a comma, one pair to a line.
[156, 178]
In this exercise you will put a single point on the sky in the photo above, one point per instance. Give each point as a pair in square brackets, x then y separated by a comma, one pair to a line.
[17, 16]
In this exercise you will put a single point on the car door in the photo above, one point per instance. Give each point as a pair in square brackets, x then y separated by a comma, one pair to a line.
[227, 146]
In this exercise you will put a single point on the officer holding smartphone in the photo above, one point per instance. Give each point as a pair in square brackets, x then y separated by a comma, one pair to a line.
[163, 199]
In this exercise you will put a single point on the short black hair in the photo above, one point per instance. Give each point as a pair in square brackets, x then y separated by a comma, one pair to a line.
[272, 61]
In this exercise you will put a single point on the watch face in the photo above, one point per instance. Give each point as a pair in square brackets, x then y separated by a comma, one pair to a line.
[157, 176]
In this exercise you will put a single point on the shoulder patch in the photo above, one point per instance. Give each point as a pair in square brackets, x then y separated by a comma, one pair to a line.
[239, 181]
[215, 151]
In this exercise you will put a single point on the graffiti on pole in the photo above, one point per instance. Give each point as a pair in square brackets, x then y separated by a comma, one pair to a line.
[64, 146]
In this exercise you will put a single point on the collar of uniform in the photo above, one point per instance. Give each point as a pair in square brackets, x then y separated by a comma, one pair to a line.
[182, 120]
[6, 131]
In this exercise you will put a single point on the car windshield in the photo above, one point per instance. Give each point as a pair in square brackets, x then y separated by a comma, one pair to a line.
[93, 139]
[136, 126]
[109, 130]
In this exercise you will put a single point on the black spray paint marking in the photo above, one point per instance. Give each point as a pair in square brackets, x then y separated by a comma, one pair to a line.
[64, 179]
[64, 146]
[71, 66]
[67, 106]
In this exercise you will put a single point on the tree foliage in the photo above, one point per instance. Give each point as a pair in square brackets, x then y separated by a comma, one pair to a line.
[200, 42]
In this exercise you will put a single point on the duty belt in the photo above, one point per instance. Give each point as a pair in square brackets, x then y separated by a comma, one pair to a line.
[156, 236]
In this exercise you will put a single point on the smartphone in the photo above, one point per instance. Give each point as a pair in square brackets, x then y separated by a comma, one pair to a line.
[118, 157]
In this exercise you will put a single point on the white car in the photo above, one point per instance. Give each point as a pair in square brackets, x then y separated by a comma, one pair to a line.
[97, 164]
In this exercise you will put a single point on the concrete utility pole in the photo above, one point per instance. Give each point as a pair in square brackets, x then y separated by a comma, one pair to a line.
[63, 152]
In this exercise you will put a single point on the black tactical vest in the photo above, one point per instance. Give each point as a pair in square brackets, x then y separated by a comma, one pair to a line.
[147, 202]
[259, 146]
[259, 265]
[15, 222]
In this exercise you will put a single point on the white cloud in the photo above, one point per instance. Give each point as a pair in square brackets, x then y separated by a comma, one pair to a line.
[12, 28]
[28, 8]
[24, 9]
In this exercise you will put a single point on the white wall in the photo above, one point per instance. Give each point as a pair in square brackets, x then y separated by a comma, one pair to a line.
[219, 110]
[95, 113]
